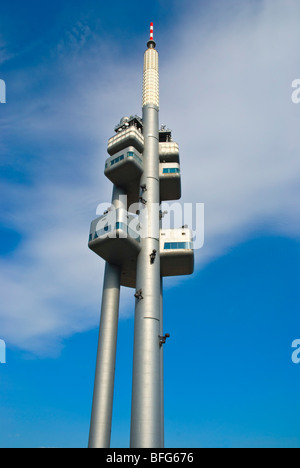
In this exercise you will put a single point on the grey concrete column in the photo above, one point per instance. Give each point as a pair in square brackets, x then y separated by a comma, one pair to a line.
[101, 419]
[162, 368]
[100, 430]
[146, 383]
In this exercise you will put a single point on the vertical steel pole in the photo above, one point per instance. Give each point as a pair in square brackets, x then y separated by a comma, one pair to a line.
[146, 387]
[162, 367]
[100, 430]
[101, 419]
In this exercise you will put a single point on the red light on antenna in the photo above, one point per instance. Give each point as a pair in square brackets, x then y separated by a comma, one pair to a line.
[151, 31]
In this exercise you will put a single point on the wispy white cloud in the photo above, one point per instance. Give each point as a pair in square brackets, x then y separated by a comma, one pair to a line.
[51, 284]
[225, 91]
[4, 52]
[230, 103]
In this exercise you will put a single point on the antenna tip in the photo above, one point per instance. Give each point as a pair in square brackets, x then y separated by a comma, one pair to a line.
[151, 44]
[151, 31]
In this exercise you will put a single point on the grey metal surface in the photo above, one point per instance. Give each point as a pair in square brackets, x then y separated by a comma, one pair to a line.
[101, 419]
[162, 415]
[123, 251]
[169, 152]
[122, 168]
[129, 137]
[170, 182]
[126, 173]
[146, 381]
[100, 429]
[119, 245]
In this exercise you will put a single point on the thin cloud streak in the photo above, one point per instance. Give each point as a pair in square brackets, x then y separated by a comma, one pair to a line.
[237, 126]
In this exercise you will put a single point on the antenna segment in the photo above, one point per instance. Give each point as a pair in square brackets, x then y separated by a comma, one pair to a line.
[151, 32]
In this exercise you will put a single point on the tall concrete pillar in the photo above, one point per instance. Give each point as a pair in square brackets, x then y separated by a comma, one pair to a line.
[146, 409]
[101, 419]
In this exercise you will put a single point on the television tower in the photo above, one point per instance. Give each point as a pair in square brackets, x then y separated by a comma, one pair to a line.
[144, 168]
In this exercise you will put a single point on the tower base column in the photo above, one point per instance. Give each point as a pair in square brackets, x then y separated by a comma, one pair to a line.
[100, 429]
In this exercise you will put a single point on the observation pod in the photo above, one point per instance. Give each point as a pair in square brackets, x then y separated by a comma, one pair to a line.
[128, 133]
[124, 169]
[112, 238]
[116, 239]
[176, 252]
[119, 244]
[169, 152]
[168, 149]
[170, 181]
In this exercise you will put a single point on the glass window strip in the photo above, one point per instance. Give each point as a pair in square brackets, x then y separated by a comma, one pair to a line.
[171, 170]
[178, 246]
[130, 154]
[118, 225]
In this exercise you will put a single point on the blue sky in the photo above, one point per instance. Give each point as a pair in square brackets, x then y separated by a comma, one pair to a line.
[72, 70]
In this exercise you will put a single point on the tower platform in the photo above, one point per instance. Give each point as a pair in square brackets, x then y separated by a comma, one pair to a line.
[119, 244]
